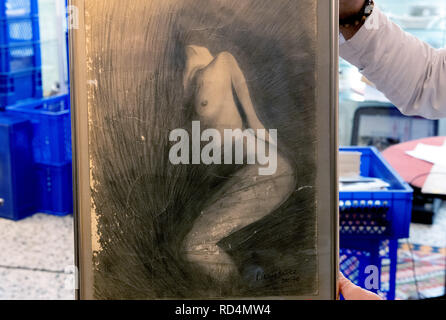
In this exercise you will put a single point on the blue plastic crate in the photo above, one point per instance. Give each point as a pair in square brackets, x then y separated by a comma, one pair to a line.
[55, 189]
[51, 122]
[378, 214]
[20, 57]
[14, 8]
[21, 30]
[17, 190]
[19, 86]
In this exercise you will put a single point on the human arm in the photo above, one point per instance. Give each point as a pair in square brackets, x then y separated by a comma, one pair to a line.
[351, 291]
[408, 71]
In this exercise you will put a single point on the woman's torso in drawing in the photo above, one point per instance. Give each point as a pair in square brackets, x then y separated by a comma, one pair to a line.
[214, 100]
[220, 95]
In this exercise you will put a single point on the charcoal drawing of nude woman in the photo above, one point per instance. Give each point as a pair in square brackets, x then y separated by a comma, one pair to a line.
[222, 100]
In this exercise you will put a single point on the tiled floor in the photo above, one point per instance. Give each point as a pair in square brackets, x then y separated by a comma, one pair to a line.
[36, 254]
[426, 269]
[36, 258]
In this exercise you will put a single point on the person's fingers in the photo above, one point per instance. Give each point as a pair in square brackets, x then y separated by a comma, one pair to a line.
[351, 291]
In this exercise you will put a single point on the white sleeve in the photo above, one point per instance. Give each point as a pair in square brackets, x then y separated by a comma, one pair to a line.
[408, 71]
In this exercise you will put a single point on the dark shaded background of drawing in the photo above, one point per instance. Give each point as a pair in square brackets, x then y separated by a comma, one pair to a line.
[144, 205]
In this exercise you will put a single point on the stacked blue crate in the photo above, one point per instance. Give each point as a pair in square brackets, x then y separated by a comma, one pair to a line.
[51, 150]
[21, 94]
[17, 189]
[20, 58]
[371, 221]
[13, 8]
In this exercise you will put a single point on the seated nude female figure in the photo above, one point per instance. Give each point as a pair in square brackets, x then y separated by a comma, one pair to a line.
[220, 93]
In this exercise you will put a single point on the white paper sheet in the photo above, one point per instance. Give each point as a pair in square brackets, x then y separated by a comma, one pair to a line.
[432, 154]
[436, 180]
[364, 184]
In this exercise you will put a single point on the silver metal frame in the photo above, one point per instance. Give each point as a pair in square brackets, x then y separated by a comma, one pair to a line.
[81, 167]
[327, 151]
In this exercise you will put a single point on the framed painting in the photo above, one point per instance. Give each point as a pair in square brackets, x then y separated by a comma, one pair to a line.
[205, 148]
